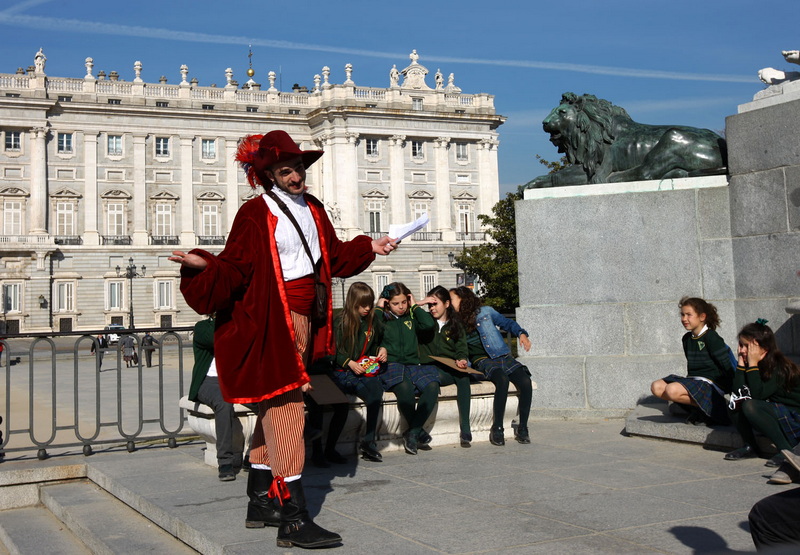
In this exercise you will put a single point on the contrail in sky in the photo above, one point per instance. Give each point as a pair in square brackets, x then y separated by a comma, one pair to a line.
[11, 16]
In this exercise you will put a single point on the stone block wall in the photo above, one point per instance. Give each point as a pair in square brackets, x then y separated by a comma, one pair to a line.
[603, 266]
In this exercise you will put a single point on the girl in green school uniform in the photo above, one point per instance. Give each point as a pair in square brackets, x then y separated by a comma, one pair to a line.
[449, 339]
[404, 376]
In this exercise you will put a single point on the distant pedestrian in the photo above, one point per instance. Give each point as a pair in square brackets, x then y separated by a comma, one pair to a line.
[127, 346]
[148, 343]
[99, 347]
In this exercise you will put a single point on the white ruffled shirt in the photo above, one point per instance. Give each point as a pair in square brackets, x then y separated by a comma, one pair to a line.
[293, 256]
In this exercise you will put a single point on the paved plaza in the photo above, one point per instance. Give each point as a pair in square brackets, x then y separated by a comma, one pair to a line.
[580, 487]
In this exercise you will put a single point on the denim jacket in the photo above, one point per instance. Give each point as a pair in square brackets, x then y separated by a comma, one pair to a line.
[487, 322]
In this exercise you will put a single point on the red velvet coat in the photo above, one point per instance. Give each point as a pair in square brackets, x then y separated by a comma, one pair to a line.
[254, 342]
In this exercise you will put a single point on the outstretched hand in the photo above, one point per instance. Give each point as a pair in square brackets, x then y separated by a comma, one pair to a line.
[526, 343]
[189, 260]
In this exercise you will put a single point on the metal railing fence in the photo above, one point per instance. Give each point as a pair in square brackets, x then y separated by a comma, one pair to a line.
[63, 391]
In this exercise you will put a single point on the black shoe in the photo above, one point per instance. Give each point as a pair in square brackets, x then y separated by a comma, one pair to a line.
[410, 443]
[466, 439]
[246, 463]
[369, 452]
[521, 435]
[424, 440]
[786, 474]
[334, 457]
[745, 452]
[497, 437]
[227, 473]
[775, 461]
[261, 509]
[297, 528]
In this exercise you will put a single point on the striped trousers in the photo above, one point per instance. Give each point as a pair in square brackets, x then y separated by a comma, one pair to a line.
[278, 436]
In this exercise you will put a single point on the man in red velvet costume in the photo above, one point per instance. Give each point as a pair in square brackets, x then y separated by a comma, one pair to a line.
[262, 288]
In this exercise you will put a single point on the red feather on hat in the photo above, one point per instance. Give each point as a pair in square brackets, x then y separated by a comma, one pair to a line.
[245, 155]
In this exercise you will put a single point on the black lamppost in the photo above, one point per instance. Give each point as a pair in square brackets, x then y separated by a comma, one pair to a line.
[451, 257]
[130, 273]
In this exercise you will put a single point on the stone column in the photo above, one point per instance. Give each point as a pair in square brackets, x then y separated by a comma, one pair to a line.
[91, 235]
[443, 219]
[326, 164]
[343, 156]
[397, 185]
[487, 176]
[38, 207]
[139, 202]
[231, 185]
[187, 196]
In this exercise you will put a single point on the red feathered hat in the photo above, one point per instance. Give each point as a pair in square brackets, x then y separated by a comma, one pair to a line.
[257, 153]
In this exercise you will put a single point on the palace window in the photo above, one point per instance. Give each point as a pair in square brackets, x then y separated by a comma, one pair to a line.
[114, 295]
[13, 141]
[12, 217]
[65, 296]
[428, 281]
[380, 281]
[11, 297]
[372, 147]
[417, 104]
[65, 143]
[418, 209]
[115, 218]
[462, 152]
[209, 149]
[115, 101]
[375, 211]
[162, 146]
[209, 220]
[163, 219]
[163, 294]
[115, 145]
[65, 218]
[417, 151]
[162, 104]
[466, 218]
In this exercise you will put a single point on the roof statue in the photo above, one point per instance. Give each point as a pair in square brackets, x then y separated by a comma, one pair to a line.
[772, 76]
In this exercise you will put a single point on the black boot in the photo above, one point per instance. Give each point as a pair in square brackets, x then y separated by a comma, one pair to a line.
[261, 510]
[296, 526]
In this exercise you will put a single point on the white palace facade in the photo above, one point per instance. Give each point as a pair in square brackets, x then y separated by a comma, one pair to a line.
[97, 170]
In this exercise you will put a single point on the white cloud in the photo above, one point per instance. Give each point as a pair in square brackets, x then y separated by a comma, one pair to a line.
[10, 17]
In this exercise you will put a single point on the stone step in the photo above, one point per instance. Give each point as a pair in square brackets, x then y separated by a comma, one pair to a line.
[104, 523]
[652, 419]
[37, 530]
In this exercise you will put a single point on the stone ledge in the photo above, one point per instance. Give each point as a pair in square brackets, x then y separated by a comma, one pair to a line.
[442, 425]
[652, 419]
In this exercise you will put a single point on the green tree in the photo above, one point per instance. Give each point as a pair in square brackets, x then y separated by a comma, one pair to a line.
[495, 263]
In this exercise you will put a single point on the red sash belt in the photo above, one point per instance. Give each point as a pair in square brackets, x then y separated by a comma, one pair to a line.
[300, 294]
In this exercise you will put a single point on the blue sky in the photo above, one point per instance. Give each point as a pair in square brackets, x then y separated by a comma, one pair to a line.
[687, 63]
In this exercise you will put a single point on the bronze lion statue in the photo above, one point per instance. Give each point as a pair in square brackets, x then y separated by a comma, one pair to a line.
[602, 144]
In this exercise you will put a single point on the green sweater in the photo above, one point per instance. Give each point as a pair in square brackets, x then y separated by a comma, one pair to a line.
[439, 343]
[769, 390]
[372, 338]
[203, 347]
[400, 334]
[708, 356]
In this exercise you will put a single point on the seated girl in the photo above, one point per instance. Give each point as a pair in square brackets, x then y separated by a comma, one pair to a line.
[358, 335]
[449, 339]
[490, 355]
[404, 375]
[774, 407]
[709, 365]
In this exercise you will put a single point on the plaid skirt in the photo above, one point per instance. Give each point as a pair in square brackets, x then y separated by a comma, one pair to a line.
[506, 364]
[705, 395]
[789, 421]
[349, 382]
[421, 375]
